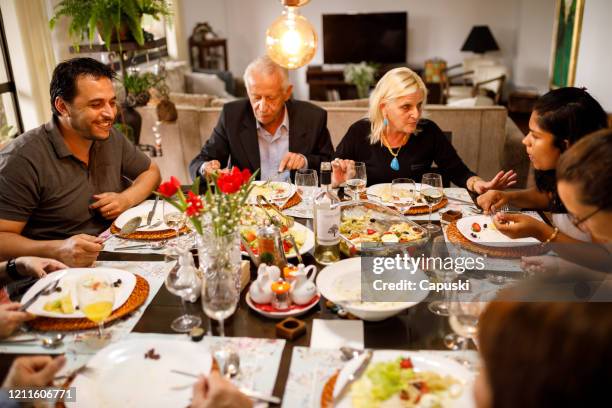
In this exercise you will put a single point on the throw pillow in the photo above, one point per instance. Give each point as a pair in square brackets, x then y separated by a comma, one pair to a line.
[210, 84]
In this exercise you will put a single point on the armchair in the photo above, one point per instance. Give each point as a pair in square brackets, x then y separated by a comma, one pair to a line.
[483, 85]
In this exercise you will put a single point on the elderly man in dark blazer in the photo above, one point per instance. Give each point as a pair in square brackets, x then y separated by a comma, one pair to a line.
[267, 131]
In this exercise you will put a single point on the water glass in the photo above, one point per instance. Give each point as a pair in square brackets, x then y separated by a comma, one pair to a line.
[356, 180]
[403, 194]
[306, 182]
[219, 296]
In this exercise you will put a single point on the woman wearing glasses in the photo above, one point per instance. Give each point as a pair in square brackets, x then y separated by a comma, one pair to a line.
[559, 119]
[396, 142]
[585, 185]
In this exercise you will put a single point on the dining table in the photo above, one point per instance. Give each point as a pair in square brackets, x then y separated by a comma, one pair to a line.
[415, 328]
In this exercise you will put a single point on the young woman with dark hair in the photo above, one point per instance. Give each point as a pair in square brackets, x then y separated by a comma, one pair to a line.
[559, 119]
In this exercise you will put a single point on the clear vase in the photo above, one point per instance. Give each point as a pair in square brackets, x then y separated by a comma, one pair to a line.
[219, 254]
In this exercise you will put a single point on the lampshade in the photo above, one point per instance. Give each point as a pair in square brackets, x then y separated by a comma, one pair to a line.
[480, 40]
[291, 40]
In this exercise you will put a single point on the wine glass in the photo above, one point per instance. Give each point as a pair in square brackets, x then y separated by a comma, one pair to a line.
[438, 273]
[219, 300]
[432, 192]
[306, 182]
[183, 281]
[464, 312]
[403, 192]
[96, 297]
[174, 218]
[357, 180]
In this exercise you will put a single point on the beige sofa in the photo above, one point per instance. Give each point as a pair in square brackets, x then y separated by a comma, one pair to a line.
[485, 137]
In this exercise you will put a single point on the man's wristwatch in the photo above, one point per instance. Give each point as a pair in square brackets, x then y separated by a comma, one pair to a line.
[11, 270]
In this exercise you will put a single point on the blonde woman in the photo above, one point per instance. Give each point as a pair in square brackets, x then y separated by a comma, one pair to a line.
[395, 141]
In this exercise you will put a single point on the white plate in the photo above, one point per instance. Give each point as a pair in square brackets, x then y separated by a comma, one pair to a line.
[309, 239]
[142, 210]
[341, 284]
[422, 361]
[280, 315]
[69, 278]
[489, 236]
[124, 378]
[383, 190]
[288, 190]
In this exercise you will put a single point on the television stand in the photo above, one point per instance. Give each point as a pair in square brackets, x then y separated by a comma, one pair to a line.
[328, 84]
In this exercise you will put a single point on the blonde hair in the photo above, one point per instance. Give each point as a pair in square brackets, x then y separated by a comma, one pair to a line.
[394, 84]
[266, 66]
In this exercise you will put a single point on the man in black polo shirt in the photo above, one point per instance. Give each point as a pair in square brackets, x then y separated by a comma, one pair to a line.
[62, 183]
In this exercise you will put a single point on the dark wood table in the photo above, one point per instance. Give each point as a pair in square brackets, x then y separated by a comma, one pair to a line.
[413, 329]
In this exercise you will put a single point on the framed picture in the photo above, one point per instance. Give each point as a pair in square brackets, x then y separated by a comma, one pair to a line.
[566, 39]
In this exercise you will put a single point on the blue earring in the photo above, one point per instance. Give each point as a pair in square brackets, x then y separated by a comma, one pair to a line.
[385, 122]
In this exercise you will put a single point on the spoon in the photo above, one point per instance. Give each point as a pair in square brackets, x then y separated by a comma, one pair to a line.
[48, 342]
[129, 227]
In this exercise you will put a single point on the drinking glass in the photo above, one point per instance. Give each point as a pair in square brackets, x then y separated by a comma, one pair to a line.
[96, 296]
[432, 191]
[437, 272]
[306, 182]
[183, 281]
[357, 180]
[219, 296]
[174, 218]
[464, 312]
[403, 191]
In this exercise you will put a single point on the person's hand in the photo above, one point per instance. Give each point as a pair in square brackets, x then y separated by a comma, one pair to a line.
[210, 167]
[540, 265]
[216, 392]
[292, 161]
[518, 225]
[342, 171]
[491, 200]
[501, 181]
[11, 318]
[34, 371]
[79, 250]
[37, 267]
[111, 205]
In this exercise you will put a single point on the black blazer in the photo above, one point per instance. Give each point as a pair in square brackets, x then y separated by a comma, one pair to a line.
[234, 138]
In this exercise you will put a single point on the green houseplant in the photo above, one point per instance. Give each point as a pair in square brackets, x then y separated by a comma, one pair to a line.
[361, 75]
[113, 19]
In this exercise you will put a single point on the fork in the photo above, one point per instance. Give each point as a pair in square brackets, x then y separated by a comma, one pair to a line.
[84, 369]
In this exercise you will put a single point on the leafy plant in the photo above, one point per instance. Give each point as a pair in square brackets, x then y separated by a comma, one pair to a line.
[361, 75]
[108, 16]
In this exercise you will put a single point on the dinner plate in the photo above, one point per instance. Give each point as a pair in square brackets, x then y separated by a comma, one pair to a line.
[68, 281]
[123, 377]
[489, 236]
[281, 315]
[142, 210]
[309, 239]
[422, 361]
[341, 283]
[383, 190]
[274, 191]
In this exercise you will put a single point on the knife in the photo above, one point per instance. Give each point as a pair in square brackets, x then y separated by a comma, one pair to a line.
[48, 286]
[152, 212]
[355, 375]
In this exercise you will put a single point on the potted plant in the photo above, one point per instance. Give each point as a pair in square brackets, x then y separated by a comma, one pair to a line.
[114, 19]
[361, 75]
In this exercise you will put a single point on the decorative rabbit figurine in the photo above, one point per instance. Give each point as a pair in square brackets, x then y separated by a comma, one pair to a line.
[187, 275]
[303, 288]
[261, 288]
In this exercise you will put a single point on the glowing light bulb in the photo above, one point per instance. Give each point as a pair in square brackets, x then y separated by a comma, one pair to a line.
[291, 41]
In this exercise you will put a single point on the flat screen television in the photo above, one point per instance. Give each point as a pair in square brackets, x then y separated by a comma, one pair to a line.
[370, 37]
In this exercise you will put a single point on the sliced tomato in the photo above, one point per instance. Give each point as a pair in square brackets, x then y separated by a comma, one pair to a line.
[250, 236]
[287, 246]
[370, 231]
[406, 363]
[284, 228]
[476, 227]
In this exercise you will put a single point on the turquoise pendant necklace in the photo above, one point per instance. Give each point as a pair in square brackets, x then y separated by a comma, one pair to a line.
[395, 166]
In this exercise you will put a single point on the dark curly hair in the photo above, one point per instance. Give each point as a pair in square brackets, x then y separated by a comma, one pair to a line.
[65, 75]
[568, 114]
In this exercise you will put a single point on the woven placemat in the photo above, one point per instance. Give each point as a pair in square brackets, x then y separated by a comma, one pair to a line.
[327, 395]
[137, 298]
[149, 235]
[456, 237]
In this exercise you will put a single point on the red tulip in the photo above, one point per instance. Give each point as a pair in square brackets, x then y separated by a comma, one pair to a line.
[169, 188]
